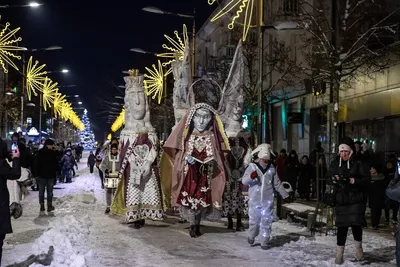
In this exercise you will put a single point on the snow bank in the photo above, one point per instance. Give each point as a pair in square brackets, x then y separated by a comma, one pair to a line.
[63, 234]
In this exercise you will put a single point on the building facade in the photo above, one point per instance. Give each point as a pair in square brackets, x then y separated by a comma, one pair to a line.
[369, 108]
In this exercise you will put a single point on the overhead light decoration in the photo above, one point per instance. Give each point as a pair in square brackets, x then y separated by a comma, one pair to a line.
[239, 8]
[176, 47]
[154, 81]
[35, 76]
[58, 102]
[119, 121]
[49, 92]
[9, 46]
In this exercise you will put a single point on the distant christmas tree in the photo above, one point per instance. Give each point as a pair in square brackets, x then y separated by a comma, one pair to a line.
[87, 136]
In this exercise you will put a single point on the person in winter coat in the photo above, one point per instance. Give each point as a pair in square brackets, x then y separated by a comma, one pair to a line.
[47, 167]
[389, 171]
[292, 170]
[305, 173]
[349, 179]
[6, 173]
[393, 192]
[377, 195]
[262, 179]
[67, 164]
[91, 161]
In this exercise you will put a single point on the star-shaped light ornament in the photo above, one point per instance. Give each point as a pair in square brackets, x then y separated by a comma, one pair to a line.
[35, 76]
[49, 92]
[175, 48]
[154, 81]
[240, 9]
[58, 103]
[119, 121]
[9, 47]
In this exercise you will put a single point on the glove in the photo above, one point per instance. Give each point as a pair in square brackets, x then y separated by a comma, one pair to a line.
[106, 171]
[191, 160]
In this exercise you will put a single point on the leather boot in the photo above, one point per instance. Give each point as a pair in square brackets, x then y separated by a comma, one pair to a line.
[239, 225]
[42, 207]
[339, 255]
[50, 207]
[359, 251]
[230, 222]
[192, 231]
[198, 233]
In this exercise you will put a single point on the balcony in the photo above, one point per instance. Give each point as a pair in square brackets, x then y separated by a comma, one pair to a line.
[288, 9]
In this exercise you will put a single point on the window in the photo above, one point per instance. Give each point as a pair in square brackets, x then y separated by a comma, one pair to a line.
[290, 7]
[230, 51]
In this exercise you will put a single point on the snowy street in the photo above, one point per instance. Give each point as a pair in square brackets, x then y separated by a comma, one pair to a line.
[83, 236]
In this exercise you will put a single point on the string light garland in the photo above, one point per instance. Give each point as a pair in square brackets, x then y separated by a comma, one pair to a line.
[49, 93]
[176, 47]
[119, 121]
[8, 47]
[35, 76]
[239, 8]
[154, 81]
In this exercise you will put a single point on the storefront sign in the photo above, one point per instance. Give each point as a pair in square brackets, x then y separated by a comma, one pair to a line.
[33, 132]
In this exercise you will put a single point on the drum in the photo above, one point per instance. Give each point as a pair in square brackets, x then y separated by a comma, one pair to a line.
[111, 180]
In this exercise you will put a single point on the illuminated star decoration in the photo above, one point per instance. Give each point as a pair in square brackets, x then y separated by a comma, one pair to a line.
[238, 7]
[8, 46]
[119, 121]
[49, 92]
[176, 47]
[154, 81]
[58, 102]
[34, 77]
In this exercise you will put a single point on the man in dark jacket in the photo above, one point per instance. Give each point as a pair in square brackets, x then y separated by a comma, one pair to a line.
[6, 173]
[47, 167]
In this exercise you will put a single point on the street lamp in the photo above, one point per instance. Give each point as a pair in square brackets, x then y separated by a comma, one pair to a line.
[156, 10]
[31, 4]
[141, 51]
[34, 4]
[59, 71]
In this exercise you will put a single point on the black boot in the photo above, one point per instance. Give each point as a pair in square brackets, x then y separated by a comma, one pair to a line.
[137, 224]
[230, 222]
[197, 230]
[50, 207]
[42, 207]
[142, 222]
[192, 231]
[239, 225]
[107, 210]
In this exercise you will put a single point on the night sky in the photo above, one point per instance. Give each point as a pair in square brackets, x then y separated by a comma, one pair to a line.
[96, 37]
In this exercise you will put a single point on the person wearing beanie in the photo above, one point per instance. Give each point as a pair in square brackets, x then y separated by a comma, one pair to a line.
[47, 167]
[347, 179]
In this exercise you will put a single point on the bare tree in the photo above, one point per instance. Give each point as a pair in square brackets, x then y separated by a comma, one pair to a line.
[345, 39]
[280, 71]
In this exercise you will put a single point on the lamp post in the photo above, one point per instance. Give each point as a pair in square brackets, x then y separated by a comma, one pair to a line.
[260, 26]
[157, 10]
[31, 5]
[50, 48]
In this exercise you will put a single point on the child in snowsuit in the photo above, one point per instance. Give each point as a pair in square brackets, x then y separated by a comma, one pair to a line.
[67, 163]
[262, 179]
